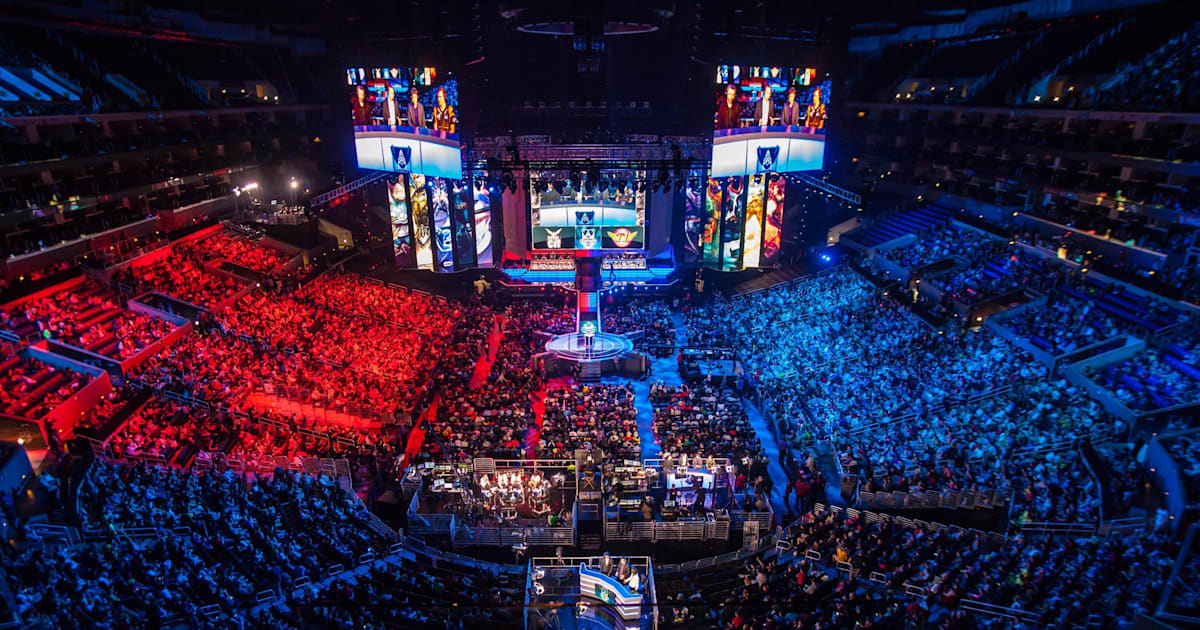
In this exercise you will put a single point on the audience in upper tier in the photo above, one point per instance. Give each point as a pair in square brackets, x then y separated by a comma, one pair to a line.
[1066, 323]
[1013, 270]
[88, 316]
[1161, 81]
[181, 275]
[30, 388]
[1160, 377]
[941, 243]
[225, 246]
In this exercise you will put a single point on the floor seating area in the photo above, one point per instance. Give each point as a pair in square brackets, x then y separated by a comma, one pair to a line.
[603, 416]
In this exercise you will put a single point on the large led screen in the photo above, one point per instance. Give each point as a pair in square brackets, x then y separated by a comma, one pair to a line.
[406, 120]
[768, 119]
[607, 216]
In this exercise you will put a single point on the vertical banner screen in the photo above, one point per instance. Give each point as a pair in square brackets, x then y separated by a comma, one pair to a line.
[483, 224]
[733, 204]
[693, 222]
[768, 119]
[398, 213]
[442, 231]
[464, 225]
[752, 234]
[423, 236]
[776, 188]
[711, 240]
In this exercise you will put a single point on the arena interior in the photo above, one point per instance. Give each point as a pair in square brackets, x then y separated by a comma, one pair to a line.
[609, 315]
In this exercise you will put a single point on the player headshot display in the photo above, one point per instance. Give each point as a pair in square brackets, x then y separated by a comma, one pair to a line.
[768, 119]
[406, 120]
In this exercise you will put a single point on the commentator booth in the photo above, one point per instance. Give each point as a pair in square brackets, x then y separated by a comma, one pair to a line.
[606, 592]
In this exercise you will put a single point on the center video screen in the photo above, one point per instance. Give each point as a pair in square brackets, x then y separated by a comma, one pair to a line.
[610, 216]
[769, 119]
[406, 120]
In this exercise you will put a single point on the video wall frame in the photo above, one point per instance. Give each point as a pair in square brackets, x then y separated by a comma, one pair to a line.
[406, 120]
[769, 119]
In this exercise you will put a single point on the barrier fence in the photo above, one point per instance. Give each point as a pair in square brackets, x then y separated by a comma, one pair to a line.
[946, 500]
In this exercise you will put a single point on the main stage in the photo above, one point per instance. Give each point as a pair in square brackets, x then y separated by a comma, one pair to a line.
[579, 347]
[592, 356]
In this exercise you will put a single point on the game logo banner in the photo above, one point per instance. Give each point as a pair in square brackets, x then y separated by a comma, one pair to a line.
[406, 120]
[553, 237]
[768, 119]
[623, 237]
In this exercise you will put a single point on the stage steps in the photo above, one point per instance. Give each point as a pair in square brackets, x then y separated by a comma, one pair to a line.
[589, 372]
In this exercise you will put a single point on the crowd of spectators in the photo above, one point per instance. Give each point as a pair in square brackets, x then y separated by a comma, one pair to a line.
[704, 420]
[603, 416]
[1184, 449]
[236, 249]
[217, 539]
[652, 317]
[1066, 323]
[30, 388]
[179, 275]
[1160, 81]
[724, 322]
[88, 316]
[495, 417]
[1012, 270]
[422, 597]
[396, 361]
[969, 446]
[941, 243]
[1054, 487]
[1157, 378]
[547, 317]
[920, 576]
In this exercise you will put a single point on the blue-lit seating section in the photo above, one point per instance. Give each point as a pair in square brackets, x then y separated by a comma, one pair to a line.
[911, 222]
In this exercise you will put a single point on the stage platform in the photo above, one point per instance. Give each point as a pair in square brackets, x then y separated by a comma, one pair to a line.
[609, 354]
[574, 346]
